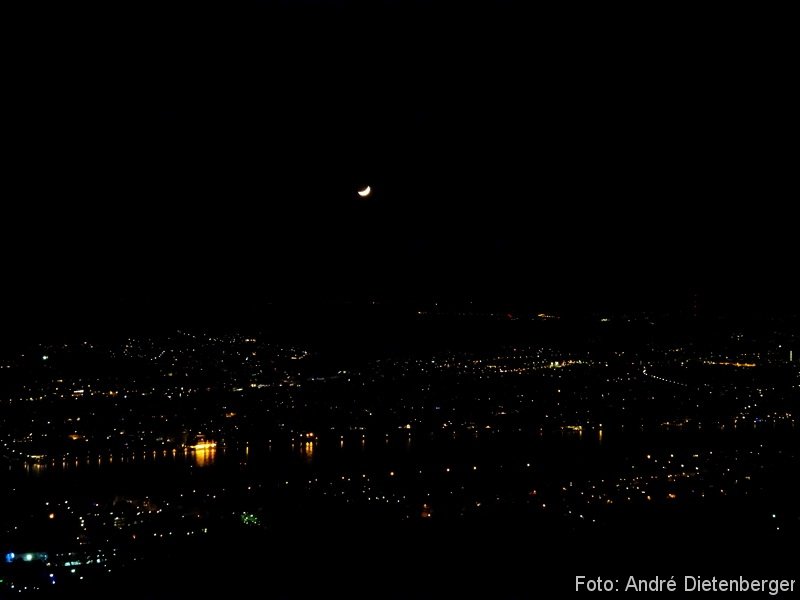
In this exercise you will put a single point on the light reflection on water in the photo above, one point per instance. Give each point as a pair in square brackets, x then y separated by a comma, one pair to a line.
[254, 452]
[307, 450]
[205, 456]
[200, 457]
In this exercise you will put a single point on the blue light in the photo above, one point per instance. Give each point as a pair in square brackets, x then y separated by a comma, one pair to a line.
[27, 557]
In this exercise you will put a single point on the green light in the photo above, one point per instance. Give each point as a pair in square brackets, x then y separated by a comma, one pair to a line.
[250, 519]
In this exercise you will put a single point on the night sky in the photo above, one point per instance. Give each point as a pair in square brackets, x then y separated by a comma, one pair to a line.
[576, 159]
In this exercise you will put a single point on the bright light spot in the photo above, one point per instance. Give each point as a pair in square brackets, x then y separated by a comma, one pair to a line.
[204, 445]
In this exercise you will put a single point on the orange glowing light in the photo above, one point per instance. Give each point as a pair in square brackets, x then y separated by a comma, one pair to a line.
[205, 453]
[204, 446]
[740, 365]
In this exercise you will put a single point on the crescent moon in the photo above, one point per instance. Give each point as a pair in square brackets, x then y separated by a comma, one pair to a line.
[365, 192]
